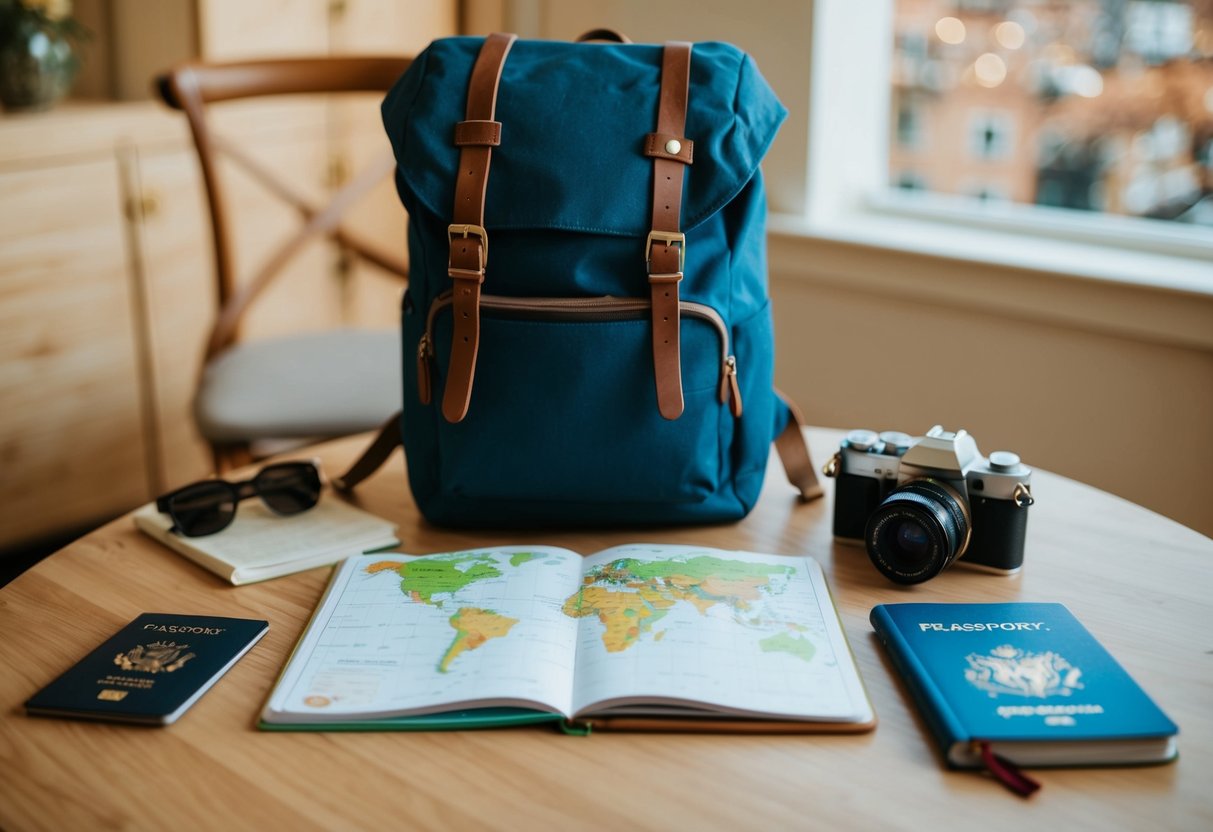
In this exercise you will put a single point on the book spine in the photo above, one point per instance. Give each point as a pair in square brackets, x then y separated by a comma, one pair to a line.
[942, 722]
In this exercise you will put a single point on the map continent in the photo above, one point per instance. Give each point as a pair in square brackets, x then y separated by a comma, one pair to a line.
[629, 596]
[422, 580]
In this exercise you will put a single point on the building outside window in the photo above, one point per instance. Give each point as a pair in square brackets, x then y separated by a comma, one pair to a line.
[991, 135]
[1097, 105]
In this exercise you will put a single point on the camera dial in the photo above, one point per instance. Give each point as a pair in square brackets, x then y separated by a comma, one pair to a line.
[1005, 462]
[862, 440]
[896, 441]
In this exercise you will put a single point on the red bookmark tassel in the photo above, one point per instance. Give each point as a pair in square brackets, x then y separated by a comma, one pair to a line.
[1006, 772]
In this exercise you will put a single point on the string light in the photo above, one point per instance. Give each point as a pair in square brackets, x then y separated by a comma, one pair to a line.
[950, 30]
[1009, 34]
[990, 70]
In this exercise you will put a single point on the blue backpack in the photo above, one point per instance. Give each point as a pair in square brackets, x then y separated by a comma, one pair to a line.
[609, 357]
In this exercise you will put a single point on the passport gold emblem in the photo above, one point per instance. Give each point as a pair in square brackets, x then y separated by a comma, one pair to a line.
[111, 695]
[157, 657]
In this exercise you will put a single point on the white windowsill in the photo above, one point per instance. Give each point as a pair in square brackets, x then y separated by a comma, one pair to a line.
[1031, 274]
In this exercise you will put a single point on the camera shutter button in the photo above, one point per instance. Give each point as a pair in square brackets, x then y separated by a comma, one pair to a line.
[1004, 461]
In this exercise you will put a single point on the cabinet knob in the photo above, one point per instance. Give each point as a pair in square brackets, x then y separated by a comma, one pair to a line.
[142, 205]
[337, 172]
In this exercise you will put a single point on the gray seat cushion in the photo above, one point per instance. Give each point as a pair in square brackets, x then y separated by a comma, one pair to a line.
[319, 384]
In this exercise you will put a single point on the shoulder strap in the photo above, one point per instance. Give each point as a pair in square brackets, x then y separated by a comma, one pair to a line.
[476, 136]
[793, 450]
[381, 447]
[790, 444]
[665, 248]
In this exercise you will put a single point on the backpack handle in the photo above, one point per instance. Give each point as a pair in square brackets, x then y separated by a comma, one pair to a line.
[609, 35]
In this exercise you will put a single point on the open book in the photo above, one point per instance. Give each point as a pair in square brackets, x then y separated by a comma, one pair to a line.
[638, 636]
[259, 544]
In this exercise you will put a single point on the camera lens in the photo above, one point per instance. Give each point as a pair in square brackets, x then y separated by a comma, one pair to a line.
[918, 531]
[912, 539]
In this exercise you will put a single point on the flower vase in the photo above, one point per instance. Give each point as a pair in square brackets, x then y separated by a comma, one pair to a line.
[37, 67]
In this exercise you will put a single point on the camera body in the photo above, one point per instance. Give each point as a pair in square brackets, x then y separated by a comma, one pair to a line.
[921, 504]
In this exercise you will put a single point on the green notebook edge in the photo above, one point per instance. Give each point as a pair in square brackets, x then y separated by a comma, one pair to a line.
[450, 721]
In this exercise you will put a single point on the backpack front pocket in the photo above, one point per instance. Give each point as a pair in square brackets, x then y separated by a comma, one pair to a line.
[564, 405]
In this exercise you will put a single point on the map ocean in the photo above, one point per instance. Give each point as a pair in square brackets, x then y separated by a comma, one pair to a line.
[543, 627]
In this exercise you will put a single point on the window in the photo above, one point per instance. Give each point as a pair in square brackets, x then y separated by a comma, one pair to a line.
[991, 135]
[1096, 105]
[910, 181]
[909, 123]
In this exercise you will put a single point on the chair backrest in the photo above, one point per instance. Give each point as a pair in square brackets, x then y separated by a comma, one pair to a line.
[191, 87]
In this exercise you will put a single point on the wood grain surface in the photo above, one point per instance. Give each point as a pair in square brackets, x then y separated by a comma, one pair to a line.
[1141, 584]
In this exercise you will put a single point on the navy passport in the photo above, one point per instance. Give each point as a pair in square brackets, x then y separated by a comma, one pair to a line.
[1027, 680]
[151, 670]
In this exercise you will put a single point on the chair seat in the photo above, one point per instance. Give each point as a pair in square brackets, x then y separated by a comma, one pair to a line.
[320, 384]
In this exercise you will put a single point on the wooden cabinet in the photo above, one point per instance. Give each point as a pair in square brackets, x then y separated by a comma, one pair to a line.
[106, 273]
[171, 261]
[71, 441]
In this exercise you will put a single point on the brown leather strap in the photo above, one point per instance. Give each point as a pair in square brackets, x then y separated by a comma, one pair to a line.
[661, 146]
[478, 132]
[469, 242]
[373, 457]
[793, 452]
[666, 246]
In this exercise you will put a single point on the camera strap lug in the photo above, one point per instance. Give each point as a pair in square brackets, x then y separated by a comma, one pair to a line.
[830, 469]
[1023, 495]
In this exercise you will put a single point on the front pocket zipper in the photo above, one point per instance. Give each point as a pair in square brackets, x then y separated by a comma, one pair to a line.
[579, 309]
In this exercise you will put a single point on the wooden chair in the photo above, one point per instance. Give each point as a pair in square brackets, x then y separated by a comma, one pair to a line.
[303, 386]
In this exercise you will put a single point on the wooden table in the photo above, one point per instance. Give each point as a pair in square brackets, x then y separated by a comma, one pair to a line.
[1141, 583]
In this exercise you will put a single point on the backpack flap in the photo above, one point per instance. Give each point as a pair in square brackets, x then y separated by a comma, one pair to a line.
[575, 118]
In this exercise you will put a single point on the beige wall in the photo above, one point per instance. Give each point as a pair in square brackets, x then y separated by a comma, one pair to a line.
[1131, 414]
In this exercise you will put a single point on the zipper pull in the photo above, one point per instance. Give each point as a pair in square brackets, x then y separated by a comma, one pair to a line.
[423, 369]
[730, 391]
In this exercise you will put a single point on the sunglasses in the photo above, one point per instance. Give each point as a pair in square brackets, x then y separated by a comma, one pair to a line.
[209, 506]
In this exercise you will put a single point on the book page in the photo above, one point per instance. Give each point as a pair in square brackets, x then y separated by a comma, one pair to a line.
[400, 635]
[258, 537]
[734, 632]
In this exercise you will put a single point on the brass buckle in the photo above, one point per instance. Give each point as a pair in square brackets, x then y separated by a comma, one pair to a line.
[666, 237]
[466, 230]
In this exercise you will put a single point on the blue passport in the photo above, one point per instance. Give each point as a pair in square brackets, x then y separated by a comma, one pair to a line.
[1027, 679]
[151, 671]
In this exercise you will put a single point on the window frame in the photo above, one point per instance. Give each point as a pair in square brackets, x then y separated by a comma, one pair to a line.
[848, 182]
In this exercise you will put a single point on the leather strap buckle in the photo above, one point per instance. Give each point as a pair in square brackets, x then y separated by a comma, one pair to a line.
[465, 230]
[667, 237]
[465, 274]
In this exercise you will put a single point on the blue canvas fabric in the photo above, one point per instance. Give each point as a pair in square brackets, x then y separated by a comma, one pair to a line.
[563, 426]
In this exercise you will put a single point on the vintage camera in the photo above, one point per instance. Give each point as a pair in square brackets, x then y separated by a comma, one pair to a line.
[920, 504]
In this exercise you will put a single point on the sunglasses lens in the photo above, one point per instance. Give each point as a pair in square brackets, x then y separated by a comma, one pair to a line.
[290, 487]
[203, 508]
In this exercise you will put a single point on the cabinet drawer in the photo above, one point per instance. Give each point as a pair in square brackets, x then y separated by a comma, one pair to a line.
[71, 431]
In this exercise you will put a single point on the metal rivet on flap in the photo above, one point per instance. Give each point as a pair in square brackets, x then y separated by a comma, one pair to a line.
[673, 146]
